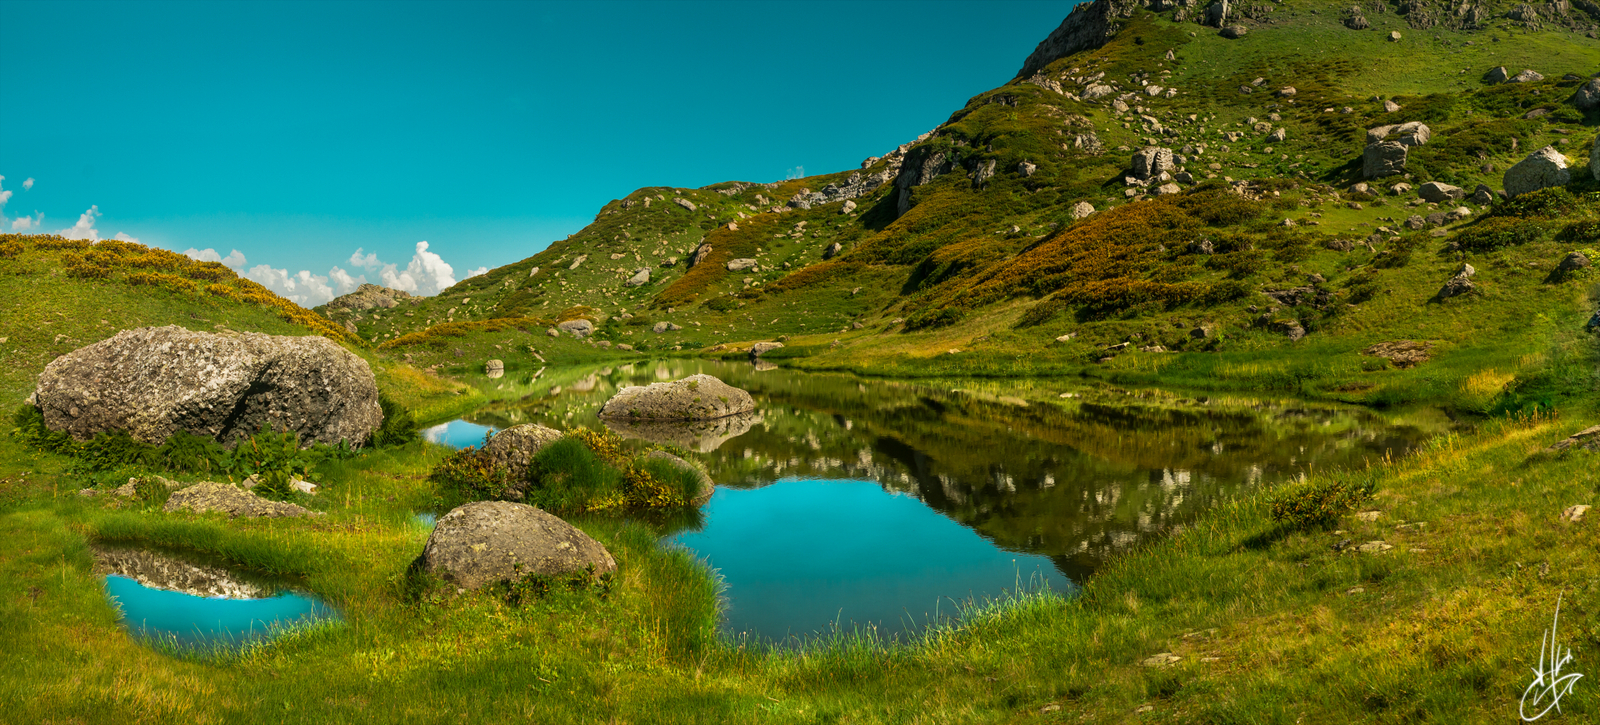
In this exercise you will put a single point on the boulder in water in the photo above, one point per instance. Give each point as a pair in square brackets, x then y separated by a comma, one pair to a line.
[514, 447]
[697, 397]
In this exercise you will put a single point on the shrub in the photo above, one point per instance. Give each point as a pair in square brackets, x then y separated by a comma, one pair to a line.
[210, 272]
[1320, 501]
[11, 248]
[470, 475]
[1585, 231]
[1499, 233]
[1550, 203]
[82, 266]
[399, 425]
[223, 291]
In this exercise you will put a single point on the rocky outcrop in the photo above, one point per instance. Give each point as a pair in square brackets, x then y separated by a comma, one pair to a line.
[639, 278]
[923, 164]
[697, 397]
[1387, 146]
[231, 500]
[1089, 25]
[855, 187]
[1541, 170]
[1414, 133]
[155, 381]
[370, 296]
[1402, 353]
[1587, 439]
[699, 253]
[577, 328]
[1151, 161]
[514, 447]
[487, 542]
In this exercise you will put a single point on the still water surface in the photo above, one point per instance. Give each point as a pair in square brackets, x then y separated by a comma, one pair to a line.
[860, 501]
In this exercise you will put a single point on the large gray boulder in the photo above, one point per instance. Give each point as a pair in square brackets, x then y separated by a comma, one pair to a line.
[231, 500]
[514, 447]
[486, 542]
[1438, 191]
[1588, 95]
[697, 397]
[1541, 170]
[577, 328]
[1383, 159]
[1458, 285]
[641, 277]
[155, 381]
[1152, 161]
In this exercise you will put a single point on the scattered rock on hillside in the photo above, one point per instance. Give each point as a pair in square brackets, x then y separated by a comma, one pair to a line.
[1483, 196]
[849, 206]
[1402, 353]
[1541, 170]
[832, 250]
[1587, 439]
[1573, 514]
[707, 487]
[155, 381]
[577, 261]
[1497, 75]
[1289, 328]
[1151, 161]
[699, 254]
[1587, 96]
[761, 348]
[1458, 285]
[493, 365]
[369, 296]
[1278, 134]
[231, 500]
[697, 397]
[1394, 36]
[1084, 208]
[641, 277]
[514, 447]
[579, 328]
[1390, 106]
[1383, 159]
[1436, 192]
[1026, 169]
[1526, 76]
[1233, 32]
[685, 203]
[1414, 133]
[1355, 20]
[1416, 222]
[738, 265]
[664, 326]
[486, 542]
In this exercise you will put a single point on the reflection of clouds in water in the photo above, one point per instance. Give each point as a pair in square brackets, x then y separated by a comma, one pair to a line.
[457, 433]
[436, 433]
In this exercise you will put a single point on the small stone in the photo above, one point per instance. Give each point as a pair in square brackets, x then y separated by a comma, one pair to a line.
[1394, 36]
[1574, 514]
[1163, 659]
[1369, 515]
[1374, 547]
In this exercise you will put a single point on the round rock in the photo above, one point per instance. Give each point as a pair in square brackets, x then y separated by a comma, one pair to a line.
[1541, 170]
[514, 447]
[697, 397]
[490, 541]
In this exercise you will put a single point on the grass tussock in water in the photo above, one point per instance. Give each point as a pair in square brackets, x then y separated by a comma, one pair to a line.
[585, 471]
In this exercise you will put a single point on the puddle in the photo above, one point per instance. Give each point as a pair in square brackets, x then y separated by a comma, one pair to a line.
[181, 600]
[458, 433]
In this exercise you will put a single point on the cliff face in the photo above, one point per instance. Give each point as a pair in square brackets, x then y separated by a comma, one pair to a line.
[1089, 25]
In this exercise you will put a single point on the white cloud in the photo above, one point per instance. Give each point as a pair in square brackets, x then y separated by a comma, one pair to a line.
[234, 260]
[343, 282]
[84, 229]
[123, 237]
[27, 184]
[303, 288]
[427, 274]
[475, 272]
[22, 224]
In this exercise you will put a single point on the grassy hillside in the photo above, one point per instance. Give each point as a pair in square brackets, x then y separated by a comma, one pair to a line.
[987, 266]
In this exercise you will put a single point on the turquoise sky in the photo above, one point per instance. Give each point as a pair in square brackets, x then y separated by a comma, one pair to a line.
[299, 133]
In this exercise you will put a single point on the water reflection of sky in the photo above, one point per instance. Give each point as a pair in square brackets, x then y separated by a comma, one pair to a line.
[800, 555]
[458, 433]
[190, 620]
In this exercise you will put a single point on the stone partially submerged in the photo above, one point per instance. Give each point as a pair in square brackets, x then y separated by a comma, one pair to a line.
[155, 381]
[697, 397]
[486, 542]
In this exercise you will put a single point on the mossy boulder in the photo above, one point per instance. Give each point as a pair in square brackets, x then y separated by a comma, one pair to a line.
[231, 500]
[486, 542]
[697, 397]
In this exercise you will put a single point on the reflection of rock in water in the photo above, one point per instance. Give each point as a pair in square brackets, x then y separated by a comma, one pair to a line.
[703, 436]
[585, 385]
[159, 571]
[494, 373]
[762, 366]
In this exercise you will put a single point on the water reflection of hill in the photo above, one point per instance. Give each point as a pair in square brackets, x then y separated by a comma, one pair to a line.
[1077, 480]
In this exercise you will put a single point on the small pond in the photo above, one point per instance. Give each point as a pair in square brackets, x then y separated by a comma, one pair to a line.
[458, 433]
[852, 501]
[175, 599]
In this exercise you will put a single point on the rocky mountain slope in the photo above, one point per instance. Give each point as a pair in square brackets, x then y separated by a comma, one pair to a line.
[1160, 176]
